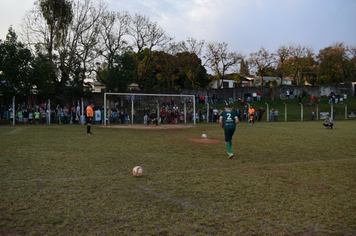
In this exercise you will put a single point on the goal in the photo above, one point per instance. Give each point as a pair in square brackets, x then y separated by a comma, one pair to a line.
[148, 100]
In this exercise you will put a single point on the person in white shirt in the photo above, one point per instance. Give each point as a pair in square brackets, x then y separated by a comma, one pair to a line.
[215, 114]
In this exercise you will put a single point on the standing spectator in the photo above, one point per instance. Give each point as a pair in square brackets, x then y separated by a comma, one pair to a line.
[145, 116]
[30, 116]
[65, 114]
[73, 114]
[215, 114]
[200, 115]
[43, 116]
[329, 99]
[25, 116]
[287, 93]
[163, 115]
[291, 95]
[312, 100]
[78, 115]
[37, 107]
[271, 112]
[258, 96]
[98, 116]
[37, 116]
[245, 114]
[210, 114]
[254, 95]
[126, 115]
[238, 113]
[260, 113]
[275, 115]
[11, 114]
[59, 114]
[20, 114]
[312, 115]
[140, 114]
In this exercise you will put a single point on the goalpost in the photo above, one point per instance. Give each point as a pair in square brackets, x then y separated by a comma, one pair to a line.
[106, 105]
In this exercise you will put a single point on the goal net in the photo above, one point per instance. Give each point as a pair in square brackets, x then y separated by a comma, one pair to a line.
[131, 108]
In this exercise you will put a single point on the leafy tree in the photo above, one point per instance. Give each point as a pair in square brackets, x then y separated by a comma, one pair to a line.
[335, 64]
[15, 66]
[121, 74]
[21, 72]
[58, 15]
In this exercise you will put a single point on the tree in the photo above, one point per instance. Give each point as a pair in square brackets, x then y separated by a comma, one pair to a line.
[121, 74]
[15, 66]
[58, 15]
[301, 56]
[283, 54]
[114, 28]
[220, 60]
[262, 60]
[21, 72]
[145, 34]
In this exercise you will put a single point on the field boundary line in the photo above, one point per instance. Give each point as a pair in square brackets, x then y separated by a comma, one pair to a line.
[173, 172]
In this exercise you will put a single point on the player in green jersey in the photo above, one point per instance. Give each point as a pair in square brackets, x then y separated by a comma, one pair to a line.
[228, 121]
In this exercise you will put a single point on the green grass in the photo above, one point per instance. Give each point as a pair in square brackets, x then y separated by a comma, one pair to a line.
[287, 178]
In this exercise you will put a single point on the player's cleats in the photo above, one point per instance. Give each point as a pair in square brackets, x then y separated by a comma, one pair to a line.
[231, 155]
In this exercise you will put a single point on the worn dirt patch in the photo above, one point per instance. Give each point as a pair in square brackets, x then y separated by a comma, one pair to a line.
[154, 127]
[201, 140]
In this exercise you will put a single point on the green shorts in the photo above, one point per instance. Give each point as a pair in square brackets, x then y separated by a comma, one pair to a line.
[228, 133]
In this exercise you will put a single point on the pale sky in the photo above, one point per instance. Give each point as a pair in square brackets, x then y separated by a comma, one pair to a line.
[245, 25]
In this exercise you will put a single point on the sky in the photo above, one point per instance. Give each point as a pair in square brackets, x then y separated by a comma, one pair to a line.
[245, 25]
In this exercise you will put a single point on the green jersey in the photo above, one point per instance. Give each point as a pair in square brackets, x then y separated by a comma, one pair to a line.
[228, 119]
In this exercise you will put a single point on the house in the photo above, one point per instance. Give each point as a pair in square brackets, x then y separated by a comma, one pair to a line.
[226, 83]
[97, 87]
[255, 81]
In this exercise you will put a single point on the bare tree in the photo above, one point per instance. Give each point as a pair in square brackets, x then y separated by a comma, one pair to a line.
[192, 46]
[220, 60]
[114, 28]
[283, 54]
[261, 60]
[299, 53]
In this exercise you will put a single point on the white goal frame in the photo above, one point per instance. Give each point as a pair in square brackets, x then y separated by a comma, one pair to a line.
[150, 95]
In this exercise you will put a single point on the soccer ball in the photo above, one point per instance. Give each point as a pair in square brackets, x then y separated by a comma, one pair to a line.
[137, 171]
[203, 136]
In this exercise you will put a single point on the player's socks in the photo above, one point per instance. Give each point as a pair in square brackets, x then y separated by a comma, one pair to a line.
[88, 129]
[228, 147]
[230, 143]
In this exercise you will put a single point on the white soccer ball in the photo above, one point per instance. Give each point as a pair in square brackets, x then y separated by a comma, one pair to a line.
[137, 171]
[203, 136]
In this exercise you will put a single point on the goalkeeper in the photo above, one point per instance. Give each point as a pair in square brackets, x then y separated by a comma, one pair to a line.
[152, 118]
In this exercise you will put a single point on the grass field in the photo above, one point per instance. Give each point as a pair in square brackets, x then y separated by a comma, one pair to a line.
[287, 178]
